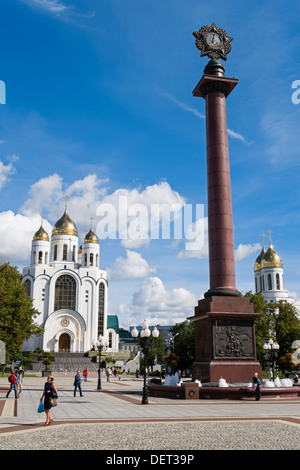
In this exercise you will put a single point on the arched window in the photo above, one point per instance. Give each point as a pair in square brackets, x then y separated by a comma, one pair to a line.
[97, 260]
[65, 293]
[40, 257]
[101, 309]
[55, 253]
[91, 259]
[256, 289]
[110, 340]
[85, 259]
[65, 252]
[74, 253]
[277, 282]
[28, 286]
[269, 282]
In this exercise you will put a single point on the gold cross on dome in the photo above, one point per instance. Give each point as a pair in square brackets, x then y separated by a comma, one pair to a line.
[91, 219]
[269, 232]
[42, 217]
[262, 235]
[66, 197]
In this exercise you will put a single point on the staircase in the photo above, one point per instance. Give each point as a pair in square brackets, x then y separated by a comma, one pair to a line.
[69, 362]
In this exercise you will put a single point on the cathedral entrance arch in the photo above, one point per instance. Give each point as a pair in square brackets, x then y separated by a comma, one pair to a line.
[64, 344]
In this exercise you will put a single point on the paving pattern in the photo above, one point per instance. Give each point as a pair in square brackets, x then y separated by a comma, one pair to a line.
[114, 419]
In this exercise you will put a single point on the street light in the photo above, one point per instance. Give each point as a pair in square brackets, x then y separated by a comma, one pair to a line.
[145, 335]
[271, 346]
[100, 346]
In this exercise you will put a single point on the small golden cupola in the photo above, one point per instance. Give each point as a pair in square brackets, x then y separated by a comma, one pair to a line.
[258, 261]
[41, 234]
[91, 237]
[271, 259]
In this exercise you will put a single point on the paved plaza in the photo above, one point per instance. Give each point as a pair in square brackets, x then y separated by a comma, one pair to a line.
[114, 419]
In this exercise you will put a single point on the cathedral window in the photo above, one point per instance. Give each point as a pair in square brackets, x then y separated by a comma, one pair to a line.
[40, 257]
[74, 253]
[110, 340]
[65, 293]
[277, 282]
[269, 282]
[55, 253]
[85, 259]
[28, 286]
[65, 252]
[91, 259]
[101, 309]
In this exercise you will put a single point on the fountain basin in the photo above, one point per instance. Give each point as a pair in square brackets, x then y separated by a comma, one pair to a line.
[192, 391]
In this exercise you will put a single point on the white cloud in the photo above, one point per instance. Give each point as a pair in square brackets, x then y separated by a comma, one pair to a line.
[160, 305]
[243, 251]
[52, 6]
[131, 267]
[199, 232]
[16, 233]
[130, 213]
[5, 172]
[86, 195]
[44, 195]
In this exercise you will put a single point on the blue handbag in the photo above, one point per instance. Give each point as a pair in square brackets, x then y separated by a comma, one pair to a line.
[41, 407]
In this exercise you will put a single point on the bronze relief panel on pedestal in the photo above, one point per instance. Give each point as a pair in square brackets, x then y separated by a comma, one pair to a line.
[233, 339]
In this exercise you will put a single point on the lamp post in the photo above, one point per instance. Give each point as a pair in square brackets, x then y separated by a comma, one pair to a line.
[100, 345]
[271, 346]
[171, 345]
[145, 335]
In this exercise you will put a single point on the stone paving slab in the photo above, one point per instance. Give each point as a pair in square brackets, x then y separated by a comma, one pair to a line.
[118, 408]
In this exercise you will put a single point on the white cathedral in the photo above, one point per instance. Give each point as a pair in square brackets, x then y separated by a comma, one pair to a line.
[268, 273]
[69, 289]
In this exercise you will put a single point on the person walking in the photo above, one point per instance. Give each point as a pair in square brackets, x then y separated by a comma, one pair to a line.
[19, 383]
[13, 384]
[256, 386]
[48, 387]
[85, 374]
[77, 383]
[108, 374]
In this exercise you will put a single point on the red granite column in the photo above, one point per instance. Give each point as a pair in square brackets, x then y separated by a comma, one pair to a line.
[220, 225]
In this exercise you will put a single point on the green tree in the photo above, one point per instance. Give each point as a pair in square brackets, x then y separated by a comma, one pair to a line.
[155, 349]
[278, 321]
[16, 313]
[184, 343]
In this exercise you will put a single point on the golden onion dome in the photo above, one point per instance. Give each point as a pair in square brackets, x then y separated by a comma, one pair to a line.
[91, 237]
[41, 234]
[65, 226]
[271, 259]
[257, 264]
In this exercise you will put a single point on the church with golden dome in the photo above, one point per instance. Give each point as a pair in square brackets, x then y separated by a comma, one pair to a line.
[69, 289]
[268, 273]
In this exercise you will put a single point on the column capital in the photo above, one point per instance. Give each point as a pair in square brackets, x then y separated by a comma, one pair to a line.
[211, 84]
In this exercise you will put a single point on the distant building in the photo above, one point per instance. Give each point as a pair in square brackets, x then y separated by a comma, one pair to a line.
[268, 273]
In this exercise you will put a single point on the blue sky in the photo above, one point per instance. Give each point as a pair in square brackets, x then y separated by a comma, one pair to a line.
[99, 103]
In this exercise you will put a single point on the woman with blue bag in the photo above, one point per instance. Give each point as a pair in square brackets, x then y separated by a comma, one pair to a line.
[50, 390]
